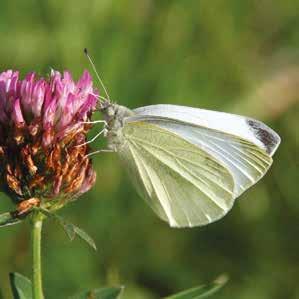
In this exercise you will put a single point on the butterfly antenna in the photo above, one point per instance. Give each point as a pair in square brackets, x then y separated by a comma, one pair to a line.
[97, 74]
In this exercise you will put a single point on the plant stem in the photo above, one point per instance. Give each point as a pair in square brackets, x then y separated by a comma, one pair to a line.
[37, 223]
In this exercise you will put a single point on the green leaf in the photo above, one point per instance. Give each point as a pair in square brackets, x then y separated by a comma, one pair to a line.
[203, 291]
[70, 229]
[84, 236]
[8, 219]
[21, 286]
[103, 293]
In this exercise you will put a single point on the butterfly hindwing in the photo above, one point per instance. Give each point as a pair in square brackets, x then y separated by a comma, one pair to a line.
[184, 184]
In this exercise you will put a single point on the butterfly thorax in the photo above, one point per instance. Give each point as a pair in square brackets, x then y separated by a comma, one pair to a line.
[114, 116]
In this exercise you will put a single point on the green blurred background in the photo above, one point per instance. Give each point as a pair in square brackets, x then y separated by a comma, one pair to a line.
[230, 55]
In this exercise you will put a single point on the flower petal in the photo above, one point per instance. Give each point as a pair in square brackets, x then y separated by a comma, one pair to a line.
[17, 114]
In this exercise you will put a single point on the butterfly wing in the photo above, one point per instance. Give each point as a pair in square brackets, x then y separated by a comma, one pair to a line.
[244, 146]
[184, 184]
[246, 128]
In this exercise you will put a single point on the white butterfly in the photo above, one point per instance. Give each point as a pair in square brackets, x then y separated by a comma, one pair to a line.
[189, 164]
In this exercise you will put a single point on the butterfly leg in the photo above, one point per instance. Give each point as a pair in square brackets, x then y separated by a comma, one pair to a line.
[95, 122]
[93, 138]
[100, 151]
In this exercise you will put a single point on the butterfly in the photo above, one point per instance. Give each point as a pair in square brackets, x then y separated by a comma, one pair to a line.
[189, 164]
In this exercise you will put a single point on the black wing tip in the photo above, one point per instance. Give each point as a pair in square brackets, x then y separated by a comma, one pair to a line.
[264, 134]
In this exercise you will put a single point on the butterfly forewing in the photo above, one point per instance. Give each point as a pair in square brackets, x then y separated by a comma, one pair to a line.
[184, 184]
[246, 128]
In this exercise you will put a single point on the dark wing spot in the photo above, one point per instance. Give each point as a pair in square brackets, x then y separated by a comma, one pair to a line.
[268, 137]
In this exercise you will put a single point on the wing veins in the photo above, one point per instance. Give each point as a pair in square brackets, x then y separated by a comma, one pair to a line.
[202, 191]
[245, 143]
[242, 160]
[191, 162]
[166, 209]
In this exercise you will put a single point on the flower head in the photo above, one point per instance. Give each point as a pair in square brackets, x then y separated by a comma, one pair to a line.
[41, 126]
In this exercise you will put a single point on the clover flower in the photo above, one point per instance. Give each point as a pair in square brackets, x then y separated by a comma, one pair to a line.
[41, 126]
